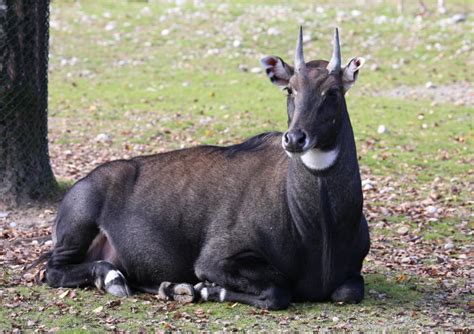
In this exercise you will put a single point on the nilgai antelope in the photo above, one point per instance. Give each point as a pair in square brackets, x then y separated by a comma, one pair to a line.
[273, 220]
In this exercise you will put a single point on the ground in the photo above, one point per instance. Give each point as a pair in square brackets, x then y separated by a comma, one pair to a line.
[130, 78]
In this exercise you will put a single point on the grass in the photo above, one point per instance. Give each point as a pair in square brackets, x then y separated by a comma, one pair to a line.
[174, 75]
[447, 229]
[401, 117]
[90, 310]
[114, 70]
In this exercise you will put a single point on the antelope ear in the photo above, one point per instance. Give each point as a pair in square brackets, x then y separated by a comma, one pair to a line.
[277, 70]
[351, 71]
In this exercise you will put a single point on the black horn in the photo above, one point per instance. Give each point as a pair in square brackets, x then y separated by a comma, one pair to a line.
[334, 65]
[300, 65]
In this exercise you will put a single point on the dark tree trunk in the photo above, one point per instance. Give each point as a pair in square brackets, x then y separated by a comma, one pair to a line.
[25, 170]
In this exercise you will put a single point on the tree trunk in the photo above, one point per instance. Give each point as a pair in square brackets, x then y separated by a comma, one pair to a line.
[25, 170]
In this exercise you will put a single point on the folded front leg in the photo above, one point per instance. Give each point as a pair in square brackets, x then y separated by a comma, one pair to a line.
[271, 298]
[244, 277]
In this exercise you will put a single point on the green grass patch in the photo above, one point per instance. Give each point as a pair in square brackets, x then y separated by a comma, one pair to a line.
[89, 310]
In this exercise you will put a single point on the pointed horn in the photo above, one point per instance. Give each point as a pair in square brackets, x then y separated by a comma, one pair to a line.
[299, 58]
[335, 63]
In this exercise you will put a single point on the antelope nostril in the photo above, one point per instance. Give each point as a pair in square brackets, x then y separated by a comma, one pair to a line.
[301, 139]
[294, 140]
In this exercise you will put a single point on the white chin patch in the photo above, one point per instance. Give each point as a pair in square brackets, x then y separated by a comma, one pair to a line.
[318, 160]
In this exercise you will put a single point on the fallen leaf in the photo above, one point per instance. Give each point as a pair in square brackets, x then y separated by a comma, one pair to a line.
[64, 294]
[401, 278]
[98, 309]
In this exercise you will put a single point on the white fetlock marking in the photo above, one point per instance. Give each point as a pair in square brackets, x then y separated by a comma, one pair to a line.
[111, 275]
[204, 294]
[161, 291]
[198, 286]
[222, 295]
[98, 283]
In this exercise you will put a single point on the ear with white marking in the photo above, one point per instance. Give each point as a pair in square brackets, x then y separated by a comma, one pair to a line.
[277, 70]
[351, 71]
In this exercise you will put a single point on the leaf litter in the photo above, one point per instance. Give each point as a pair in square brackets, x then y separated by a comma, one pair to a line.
[402, 212]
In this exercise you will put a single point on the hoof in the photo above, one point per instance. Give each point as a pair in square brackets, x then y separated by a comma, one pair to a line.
[210, 291]
[108, 278]
[116, 284]
[182, 293]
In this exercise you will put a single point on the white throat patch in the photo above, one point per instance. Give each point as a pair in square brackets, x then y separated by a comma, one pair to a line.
[318, 160]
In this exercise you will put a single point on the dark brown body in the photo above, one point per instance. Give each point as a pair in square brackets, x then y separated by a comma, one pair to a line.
[168, 216]
[256, 222]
